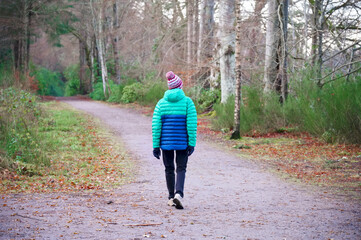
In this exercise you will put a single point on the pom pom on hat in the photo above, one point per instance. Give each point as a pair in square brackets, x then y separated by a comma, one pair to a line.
[174, 81]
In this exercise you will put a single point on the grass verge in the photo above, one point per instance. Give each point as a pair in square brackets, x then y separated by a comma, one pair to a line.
[297, 156]
[82, 155]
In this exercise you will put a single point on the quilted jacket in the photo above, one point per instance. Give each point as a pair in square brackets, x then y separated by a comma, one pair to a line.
[174, 123]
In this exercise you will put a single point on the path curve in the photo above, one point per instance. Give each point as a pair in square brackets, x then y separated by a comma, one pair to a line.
[226, 197]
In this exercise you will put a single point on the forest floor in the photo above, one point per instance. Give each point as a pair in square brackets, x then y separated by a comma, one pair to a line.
[228, 194]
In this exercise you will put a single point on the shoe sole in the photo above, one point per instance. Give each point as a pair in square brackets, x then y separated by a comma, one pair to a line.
[178, 204]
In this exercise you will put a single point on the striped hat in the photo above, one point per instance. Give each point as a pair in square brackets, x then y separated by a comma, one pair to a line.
[174, 81]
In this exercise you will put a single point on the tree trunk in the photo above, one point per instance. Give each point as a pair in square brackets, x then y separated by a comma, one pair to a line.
[284, 53]
[315, 19]
[195, 30]
[96, 62]
[237, 104]
[115, 42]
[28, 14]
[305, 28]
[205, 49]
[99, 37]
[25, 35]
[273, 39]
[82, 67]
[227, 59]
[189, 31]
[209, 30]
[320, 21]
[201, 31]
[16, 53]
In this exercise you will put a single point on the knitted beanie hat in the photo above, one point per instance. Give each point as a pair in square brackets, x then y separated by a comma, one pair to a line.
[174, 81]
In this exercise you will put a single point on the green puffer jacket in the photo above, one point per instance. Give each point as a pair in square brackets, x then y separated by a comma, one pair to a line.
[174, 123]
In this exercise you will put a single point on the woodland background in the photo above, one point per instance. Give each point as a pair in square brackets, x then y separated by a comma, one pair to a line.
[251, 66]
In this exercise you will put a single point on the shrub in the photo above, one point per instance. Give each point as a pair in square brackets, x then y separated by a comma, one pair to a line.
[72, 86]
[204, 99]
[132, 92]
[207, 99]
[332, 113]
[98, 92]
[152, 93]
[224, 115]
[19, 122]
[49, 82]
[116, 93]
[260, 112]
[6, 76]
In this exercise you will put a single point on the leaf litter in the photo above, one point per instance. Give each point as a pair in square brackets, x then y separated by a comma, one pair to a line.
[85, 157]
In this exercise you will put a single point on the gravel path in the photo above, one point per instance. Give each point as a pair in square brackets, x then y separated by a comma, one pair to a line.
[226, 197]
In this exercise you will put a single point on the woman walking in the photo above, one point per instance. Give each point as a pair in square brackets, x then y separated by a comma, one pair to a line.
[174, 128]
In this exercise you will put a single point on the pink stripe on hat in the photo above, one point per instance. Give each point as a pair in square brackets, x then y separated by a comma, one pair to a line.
[174, 81]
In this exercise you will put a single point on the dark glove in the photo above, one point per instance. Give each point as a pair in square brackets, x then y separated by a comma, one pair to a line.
[190, 150]
[156, 152]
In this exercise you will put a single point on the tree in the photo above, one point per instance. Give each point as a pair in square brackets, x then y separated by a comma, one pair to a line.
[227, 39]
[284, 51]
[16, 31]
[275, 70]
[115, 40]
[97, 9]
[190, 9]
[205, 48]
[273, 39]
[237, 105]
[195, 29]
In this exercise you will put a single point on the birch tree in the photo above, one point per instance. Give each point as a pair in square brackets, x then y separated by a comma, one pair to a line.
[227, 41]
[237, 105]
[97, 10]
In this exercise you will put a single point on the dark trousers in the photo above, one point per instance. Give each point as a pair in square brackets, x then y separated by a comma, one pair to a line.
[181, 160]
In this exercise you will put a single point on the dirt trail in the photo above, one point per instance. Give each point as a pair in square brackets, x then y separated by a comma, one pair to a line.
[226, 197]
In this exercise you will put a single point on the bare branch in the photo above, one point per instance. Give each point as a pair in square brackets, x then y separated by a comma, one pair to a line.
[334, 79]
[341, 51]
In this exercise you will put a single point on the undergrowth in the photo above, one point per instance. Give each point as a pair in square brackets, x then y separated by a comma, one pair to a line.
[49, 83]
[332, 113]
[20, 117]
[80, 154]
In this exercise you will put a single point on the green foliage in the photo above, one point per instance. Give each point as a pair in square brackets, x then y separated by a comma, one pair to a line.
[19, 120]
[332, 113]
[147, 93]
[116, 94]
[260, 112]
[6, 75]
[204, 99]
[224, 115]
[131, 92]
[152, 93]
[98, 92]
[72, 86]
[49, 82]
